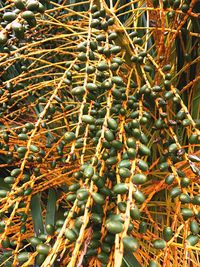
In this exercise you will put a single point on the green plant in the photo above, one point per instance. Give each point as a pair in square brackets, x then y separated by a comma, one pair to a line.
[99, 114]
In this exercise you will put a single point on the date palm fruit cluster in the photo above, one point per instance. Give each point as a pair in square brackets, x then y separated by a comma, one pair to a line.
[99, 145]
[17, 20]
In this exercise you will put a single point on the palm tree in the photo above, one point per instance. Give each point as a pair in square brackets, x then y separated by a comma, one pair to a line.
[99, 114]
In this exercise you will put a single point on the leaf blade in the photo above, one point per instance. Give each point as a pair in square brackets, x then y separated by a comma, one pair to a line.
[36, 212]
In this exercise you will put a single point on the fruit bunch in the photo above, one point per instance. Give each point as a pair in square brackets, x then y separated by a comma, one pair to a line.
[18, 18]
[99, 145]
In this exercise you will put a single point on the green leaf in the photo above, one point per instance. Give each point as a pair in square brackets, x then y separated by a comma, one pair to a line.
[51, 207]
[129, 260]
[195, 102]
[36, 212]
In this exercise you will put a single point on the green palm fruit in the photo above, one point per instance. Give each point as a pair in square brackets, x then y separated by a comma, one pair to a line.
[194, 227]
[186, 213]
[74, 187]
[82, 56]
[164, 166]
[18, 29]
[106, 247]
[70, 235]
[82, 194]
[131, 142]
[112, 36]
[29, 126]
[22, 149]
[109, 136]
[111, 161]
[122, 206]
[50, 229]
[34, 148]
[114, 227]
[185, 181]
[106, 191]
[41, 8]
[78, 91]
[91, 87]
[115, 92]
[88, 119]
[169, 179]
[96, 218]
[102, 66]
[124, 172]
[19, 4]
[115, 49]
[5, 243]
[23, 137]
[153, 263]
[88, 171]
[94, 243]
[43, 249]
[142, 165]
[120, 188]
[144, 150]
[117, 144]
[138, 41]
[71, 197]
[139, 196]
[167, 233]
[23, 257]
[148, 68]
[9, 16]
[98, 198]
[32, 5]
[103, 257]
[90, 69]
[139, 178]
[175, 192]
[192, 240]
[118, 80]
[130, 243]
[131, 152]
[124, 164]
[159, 244]
[35, 241]
[193, 139]
[3, 38]
[135, 213]
[15, 172]
[112, 124]
[40, 258]
[196, 200]
[69, 136]
[142, 227]
[173, 148]
[184, 198]
[9, 180]
[28, 15]
[95, 22]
